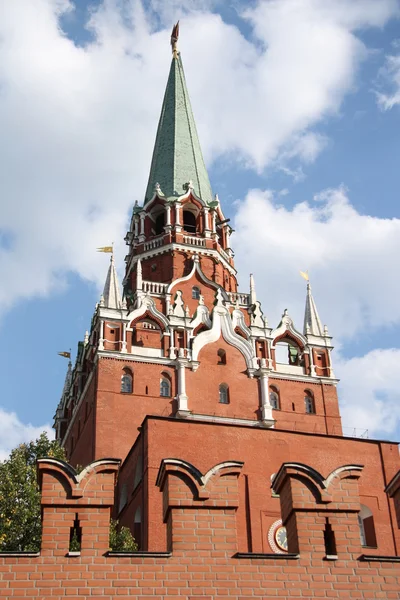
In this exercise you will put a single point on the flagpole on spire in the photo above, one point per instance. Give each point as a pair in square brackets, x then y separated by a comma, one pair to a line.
[174, 40]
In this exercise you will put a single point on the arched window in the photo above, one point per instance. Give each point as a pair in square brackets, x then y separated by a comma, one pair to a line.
[221, 357]
[224, 393]
[126, 381]
[137, 527]
[287, 353]
[160, 222]
[189, 221]
[195, 293]
[165, 387]
[309, 403]
[367, 527]
[274, 398]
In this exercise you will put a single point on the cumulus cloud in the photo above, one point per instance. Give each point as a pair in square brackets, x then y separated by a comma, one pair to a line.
[13, 432]
[350, 257]
[78, 123]
[390, 75]
[369, 392]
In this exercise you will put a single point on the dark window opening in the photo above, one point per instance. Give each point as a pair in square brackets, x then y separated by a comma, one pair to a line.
[224, 394]
[329, 539]
[221, 356]
[126, 382]
[274, 398]
[195, 293]
[147, 390]
[75, 536]
[165, 387]
[309, 403]
[293, 406]
[189, 221]
[160, 222]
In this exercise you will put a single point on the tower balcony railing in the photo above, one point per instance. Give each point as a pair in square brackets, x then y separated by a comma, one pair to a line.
[194, 241]
[154, 243]
[244, 299]
[154, 287]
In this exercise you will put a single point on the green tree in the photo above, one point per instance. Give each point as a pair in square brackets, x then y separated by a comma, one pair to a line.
[121, 539]
[20, 523]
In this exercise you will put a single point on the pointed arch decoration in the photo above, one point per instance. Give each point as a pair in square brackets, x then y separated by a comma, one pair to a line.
[196, 268]
[317, 481]
[222, 325]
[238, 321]
[148, 309]
[286, 328]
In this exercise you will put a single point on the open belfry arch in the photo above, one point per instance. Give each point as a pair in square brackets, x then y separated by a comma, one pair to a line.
[224, 431]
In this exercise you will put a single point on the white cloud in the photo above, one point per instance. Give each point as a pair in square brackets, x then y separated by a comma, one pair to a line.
[351, 258]
[390, 74]
[13, 432]
[78, 124]
[369, 392]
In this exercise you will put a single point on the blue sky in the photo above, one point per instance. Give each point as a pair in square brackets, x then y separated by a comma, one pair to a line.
[298, 107]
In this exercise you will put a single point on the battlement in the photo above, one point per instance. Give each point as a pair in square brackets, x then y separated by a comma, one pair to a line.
[204, 557]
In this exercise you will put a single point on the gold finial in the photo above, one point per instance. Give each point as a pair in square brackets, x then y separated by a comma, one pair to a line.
[174, 40]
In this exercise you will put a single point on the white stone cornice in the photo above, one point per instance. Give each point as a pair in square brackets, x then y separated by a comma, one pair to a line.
[304, 378]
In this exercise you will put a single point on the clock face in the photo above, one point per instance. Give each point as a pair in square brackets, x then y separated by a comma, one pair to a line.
[281, 538]
[277, 537]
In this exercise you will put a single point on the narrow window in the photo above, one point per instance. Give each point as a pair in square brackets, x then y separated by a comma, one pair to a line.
[165, 387]
[274, 398]
[329, 539]
[224, 393]
[367, 527]
[195, 293]
[309, 403]
[126, 381]
[75, 536]
[221, 357]
[189, 221]
[147, 390]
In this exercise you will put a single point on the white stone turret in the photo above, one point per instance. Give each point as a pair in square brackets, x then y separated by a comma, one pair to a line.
[111, 294]
[312, 322]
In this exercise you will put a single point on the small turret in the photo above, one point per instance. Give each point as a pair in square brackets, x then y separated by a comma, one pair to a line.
[312, 322]
[111, 297]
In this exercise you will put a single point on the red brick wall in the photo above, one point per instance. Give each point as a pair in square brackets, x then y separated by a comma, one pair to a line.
[203, 541]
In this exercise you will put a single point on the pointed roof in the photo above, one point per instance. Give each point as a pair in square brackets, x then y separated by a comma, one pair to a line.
[312, 322]
[68, 379]
[177, 157]
[111, 297]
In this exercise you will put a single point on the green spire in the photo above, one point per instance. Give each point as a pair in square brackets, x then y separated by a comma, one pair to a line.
[177, 157]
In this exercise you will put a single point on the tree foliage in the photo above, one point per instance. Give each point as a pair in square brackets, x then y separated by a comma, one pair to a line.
[20, 522]
[121, 539]
[20, 511]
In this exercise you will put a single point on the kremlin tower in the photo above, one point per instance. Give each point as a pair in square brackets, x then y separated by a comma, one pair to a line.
[229, 464]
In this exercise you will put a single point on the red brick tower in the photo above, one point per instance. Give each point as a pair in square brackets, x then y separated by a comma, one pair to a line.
[206, 404]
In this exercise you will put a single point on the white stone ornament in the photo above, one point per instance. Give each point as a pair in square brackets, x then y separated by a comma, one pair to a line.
[179, 307]
[257, 319]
